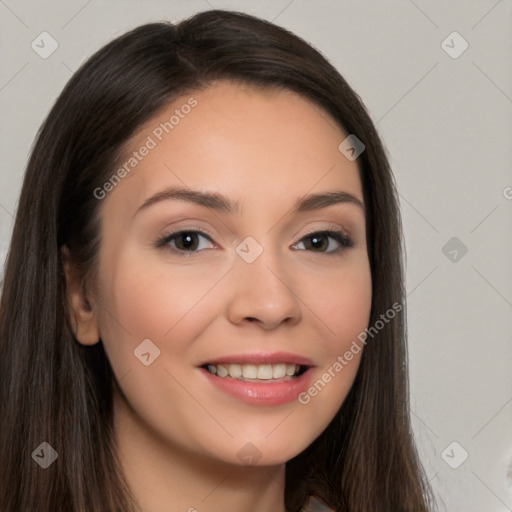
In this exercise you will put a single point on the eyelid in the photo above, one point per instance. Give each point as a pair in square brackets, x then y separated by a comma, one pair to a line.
[186, 228]
[329, 227]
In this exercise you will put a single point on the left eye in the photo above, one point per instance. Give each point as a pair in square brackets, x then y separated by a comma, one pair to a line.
[321, 241]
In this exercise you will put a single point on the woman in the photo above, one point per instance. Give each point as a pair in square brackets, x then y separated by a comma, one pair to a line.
[203, 306]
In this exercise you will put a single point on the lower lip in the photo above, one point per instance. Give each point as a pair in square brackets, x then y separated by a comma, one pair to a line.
[262, 393]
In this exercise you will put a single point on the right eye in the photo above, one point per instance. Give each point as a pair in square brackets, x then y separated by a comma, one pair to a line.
[186, 242]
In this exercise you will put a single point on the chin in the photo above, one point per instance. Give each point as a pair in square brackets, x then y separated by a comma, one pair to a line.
[252, 454]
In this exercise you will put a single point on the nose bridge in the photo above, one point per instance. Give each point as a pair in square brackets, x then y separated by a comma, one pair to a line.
[262, 289]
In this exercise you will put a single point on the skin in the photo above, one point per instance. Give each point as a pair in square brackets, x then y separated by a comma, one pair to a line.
[177, 435]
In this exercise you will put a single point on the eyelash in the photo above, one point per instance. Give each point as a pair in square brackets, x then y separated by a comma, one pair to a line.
[339, 236]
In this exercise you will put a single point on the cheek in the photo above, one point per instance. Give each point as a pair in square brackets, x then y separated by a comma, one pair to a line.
[343, 302]
[171, 306]
[168, 304]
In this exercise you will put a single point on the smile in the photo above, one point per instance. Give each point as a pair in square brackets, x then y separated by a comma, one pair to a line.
[252, 372]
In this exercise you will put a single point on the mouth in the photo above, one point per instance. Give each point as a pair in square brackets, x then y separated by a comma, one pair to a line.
[278, 372]
[260, 380]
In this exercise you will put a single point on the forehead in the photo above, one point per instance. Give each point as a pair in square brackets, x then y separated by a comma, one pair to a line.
[249, 143]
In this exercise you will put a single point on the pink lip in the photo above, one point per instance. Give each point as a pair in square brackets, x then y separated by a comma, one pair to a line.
[262, 393]
[262, 358]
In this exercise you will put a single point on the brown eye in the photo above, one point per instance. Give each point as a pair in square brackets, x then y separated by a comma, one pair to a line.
[317, 242]
[185, 241]
[321, 241]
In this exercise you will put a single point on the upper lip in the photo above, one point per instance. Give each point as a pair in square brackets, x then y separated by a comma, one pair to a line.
[261, 358]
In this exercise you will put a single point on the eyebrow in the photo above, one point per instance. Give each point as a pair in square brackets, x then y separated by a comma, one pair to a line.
[221, 203]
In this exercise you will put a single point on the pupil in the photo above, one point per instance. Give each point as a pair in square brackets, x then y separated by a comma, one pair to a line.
[317, 241]
[189, 240]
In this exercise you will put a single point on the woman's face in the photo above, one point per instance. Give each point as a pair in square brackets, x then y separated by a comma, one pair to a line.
[256, 279]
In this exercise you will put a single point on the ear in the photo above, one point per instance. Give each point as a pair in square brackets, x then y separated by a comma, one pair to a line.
[82, 315]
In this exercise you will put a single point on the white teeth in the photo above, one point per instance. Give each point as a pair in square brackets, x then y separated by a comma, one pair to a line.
[235, 370]
[279, 370]
[249, 371]
[222, 371]
[253, 372]
[265, 372]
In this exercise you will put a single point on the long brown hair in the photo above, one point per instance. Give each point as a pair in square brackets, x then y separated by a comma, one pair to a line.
[55, 390]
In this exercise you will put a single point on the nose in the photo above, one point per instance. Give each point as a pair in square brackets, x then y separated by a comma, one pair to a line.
[263, 293]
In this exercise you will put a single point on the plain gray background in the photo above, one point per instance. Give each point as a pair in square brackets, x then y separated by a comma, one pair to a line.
[446, 120]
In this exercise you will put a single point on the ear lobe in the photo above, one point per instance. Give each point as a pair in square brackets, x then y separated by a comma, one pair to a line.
[82, 315]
